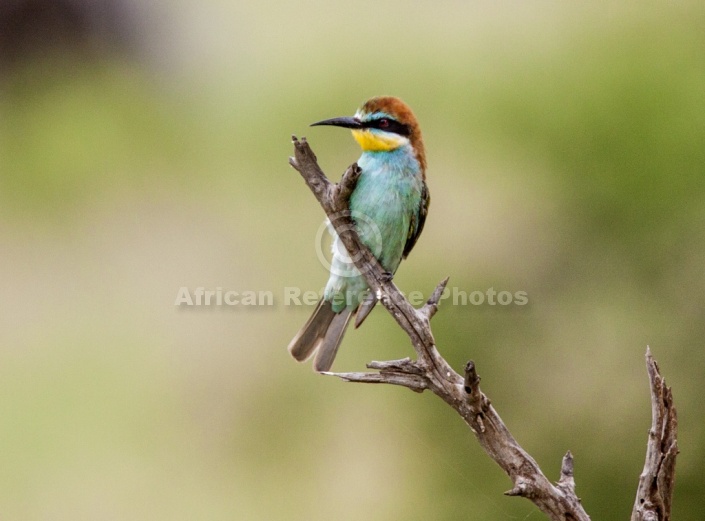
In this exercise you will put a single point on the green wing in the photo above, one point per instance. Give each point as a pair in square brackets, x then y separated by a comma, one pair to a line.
[417, 222]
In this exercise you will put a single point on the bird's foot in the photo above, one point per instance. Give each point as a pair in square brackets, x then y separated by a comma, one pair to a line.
[387, 276]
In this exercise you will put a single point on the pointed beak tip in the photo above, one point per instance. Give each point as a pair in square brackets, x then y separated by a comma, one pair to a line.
[345, 122]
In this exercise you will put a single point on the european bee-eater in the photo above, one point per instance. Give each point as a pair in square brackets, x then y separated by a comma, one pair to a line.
[388, 206]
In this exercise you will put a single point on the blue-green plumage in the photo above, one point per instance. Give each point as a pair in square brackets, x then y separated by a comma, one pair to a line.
[388, 205]
[385, 202]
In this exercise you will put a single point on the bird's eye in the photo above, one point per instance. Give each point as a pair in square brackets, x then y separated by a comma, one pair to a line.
[383, 123]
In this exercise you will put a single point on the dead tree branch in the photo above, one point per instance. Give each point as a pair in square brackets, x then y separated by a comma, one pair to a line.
[431, 371]
[655, 491]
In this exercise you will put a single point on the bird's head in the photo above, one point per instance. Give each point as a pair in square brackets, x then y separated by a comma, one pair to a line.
[383, 124]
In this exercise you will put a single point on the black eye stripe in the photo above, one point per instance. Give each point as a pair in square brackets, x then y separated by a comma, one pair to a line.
[391, 126]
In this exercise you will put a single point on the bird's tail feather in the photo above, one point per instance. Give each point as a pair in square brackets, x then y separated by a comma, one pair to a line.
[365, 308]
[322, 332]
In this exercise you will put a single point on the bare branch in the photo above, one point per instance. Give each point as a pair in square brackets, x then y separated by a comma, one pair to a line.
[431, 307]
[431, 371]
[655, 491]
[314, 176]
[347, 183]
[404, 372]
[437, 375]
[557, 502]
[566, 480]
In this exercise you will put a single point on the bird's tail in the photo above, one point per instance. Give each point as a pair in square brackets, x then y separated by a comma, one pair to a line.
[322, 333]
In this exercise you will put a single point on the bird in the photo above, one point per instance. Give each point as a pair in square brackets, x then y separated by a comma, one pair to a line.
[388, 206]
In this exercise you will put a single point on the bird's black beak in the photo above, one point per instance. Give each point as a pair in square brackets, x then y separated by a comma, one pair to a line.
[345, 122]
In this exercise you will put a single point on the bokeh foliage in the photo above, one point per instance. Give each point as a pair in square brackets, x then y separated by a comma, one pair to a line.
[566, 160]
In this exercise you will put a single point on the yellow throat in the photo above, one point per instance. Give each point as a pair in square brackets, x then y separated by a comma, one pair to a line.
[371, 142]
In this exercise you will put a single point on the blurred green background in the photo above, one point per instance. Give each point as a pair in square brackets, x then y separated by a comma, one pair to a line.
[566, 149]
